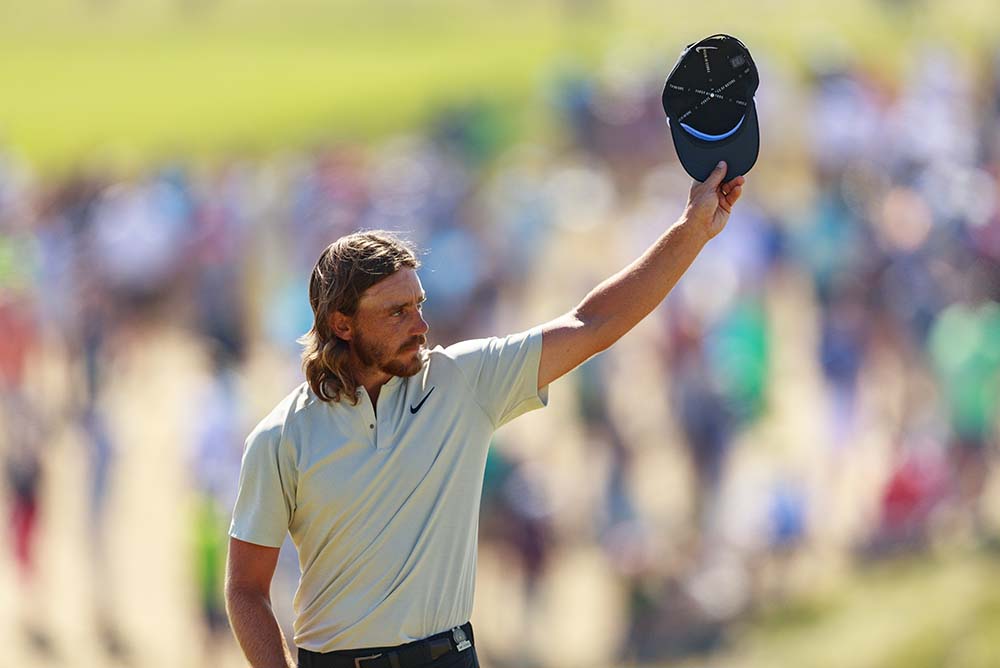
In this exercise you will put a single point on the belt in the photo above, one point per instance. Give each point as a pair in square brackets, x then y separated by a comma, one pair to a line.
[410, 655]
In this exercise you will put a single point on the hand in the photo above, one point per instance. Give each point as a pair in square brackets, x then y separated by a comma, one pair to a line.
[710, 202]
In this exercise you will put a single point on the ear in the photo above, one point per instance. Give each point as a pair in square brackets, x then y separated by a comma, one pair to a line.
[342, 325]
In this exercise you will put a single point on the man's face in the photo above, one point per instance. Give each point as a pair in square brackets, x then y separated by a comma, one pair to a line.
[389, 329]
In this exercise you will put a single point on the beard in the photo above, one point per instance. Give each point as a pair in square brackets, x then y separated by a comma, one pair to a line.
[375, 354]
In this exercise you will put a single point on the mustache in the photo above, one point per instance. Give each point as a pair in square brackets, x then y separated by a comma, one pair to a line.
[415, 342]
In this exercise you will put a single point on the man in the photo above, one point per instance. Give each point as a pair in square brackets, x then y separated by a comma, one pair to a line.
[375, 464]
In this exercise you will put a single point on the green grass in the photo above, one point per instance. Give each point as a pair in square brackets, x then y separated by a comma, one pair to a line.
[908, 613]
[153, 79]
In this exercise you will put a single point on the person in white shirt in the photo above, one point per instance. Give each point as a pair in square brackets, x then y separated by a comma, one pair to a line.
[375, 464]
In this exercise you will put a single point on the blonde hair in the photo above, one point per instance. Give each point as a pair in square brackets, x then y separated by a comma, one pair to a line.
[345, 269]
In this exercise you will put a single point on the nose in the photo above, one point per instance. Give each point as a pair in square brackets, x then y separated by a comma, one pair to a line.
[420, 326]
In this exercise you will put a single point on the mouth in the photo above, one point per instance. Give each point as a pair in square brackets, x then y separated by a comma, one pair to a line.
[413, 347]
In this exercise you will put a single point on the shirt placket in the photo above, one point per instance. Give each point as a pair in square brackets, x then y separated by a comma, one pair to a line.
[383, 421]
[369, 422]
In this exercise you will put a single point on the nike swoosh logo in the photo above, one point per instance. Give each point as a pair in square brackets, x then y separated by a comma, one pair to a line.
[414, 409]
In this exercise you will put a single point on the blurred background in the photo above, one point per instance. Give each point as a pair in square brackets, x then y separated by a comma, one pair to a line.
[792, 462]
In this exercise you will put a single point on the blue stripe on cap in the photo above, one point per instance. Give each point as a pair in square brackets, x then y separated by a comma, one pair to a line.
[707, 137]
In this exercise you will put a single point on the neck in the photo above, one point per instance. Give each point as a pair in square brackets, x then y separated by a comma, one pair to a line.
[372, 379]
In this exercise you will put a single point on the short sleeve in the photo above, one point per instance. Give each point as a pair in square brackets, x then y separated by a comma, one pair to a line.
[265, 499]
[503, 373]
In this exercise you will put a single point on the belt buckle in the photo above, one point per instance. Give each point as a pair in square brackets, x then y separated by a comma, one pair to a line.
[358, 660]
[461, 640]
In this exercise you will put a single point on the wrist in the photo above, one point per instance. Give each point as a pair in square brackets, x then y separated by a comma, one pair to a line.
[693, 229]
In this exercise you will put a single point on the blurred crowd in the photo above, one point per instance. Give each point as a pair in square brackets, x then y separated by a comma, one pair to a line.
[821, 389]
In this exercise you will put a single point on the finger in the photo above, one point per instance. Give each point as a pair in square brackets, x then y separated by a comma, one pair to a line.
[733, 195]
[729, 185]
[715, 178]
[732, 183]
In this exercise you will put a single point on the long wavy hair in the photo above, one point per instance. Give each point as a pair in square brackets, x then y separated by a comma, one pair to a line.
[345, 269]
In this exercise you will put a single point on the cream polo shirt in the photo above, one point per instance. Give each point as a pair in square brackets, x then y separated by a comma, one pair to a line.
[384, 510]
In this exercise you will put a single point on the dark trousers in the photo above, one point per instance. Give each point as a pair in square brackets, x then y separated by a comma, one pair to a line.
[466, 659]
[404, 656]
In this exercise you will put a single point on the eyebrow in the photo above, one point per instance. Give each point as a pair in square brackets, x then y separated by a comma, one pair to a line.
[396, 307]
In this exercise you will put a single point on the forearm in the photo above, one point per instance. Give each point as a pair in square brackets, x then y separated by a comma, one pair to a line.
[257, 630]
[620, 302]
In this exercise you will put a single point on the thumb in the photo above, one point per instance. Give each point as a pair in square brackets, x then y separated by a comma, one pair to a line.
[715, 178]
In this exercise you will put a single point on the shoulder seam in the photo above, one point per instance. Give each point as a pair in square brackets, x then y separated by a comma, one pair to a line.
[471, 389]
[281, 442]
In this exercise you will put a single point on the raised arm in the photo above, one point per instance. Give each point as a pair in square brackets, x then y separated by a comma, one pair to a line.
[620, 302]
[248, 601]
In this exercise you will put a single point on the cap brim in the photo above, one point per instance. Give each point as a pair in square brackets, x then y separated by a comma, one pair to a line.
[699, 157]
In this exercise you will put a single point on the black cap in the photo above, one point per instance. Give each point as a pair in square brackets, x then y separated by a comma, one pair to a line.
[708, 98]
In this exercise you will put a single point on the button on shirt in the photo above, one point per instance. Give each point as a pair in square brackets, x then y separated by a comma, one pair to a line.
[383, 505]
